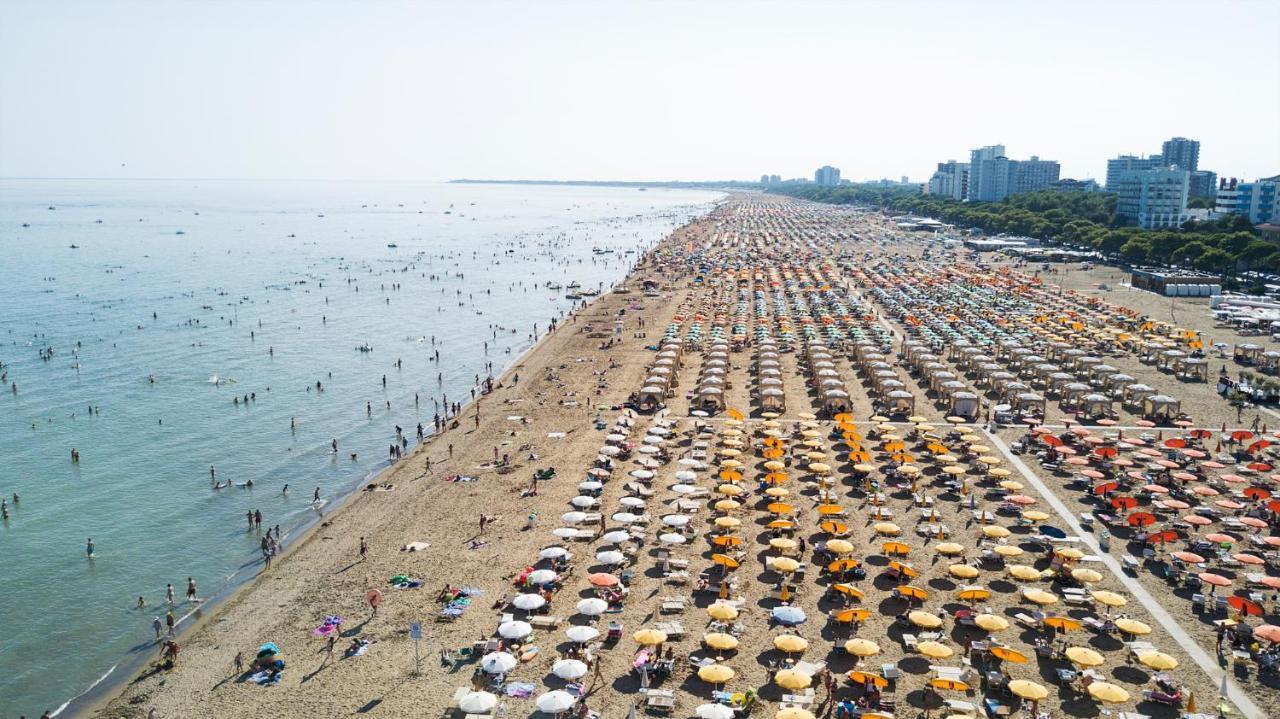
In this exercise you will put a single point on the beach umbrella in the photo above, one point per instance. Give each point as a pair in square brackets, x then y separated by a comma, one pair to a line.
[603, 579]
[1244, 606]
[650, 637]
[582, 634]
[949, 548]
[848, 590]
[1069, 553]
[573, 517]
[727, 505]
[1085, 657]
[498, 662]
[554, 552]
[863, 677]
[584, 501]
[963, 571]
[592, 606]
[515, 630]
[728, 522]
[528, 602]
[1188, 557]
[1008, 655]
[1216, 580]
[895, 548]
[565, 532]
[617, 536]
[555, 702]
[1132, 626]
[713, 711]
[973, 594]
[1270, 632]
[1111, 599]
[625, 517]
[991, 622]
[672, 538]
[1039, 596]
[541, 576]
[715, 674]
[1066, 624]
[789, 615]
[723, 612]
[631, 502]
[1028, 690]
[790, 643]
[726, 540]
[839, 546]
[720, 640]
[924, 619]
[1086, 575]
[1157, 660]
[611, 557]
[569, 669]
[785, 565]
[862, 647]
[934, 650]
[995, 531]
[887, 528]
[1008, 550]
[792, 679]
[794, 713]
[590, 486]
[1108, 692]
[477, 702]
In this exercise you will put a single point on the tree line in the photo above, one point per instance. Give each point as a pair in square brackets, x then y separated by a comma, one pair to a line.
[1083, 220]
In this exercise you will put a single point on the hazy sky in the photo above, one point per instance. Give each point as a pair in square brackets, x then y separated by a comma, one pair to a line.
[627, 90]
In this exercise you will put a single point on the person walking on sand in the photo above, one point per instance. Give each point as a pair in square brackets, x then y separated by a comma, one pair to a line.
[364, 549]
[238, 662]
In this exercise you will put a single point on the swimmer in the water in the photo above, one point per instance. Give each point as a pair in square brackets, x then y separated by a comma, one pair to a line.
[88, 547]
[285, 491]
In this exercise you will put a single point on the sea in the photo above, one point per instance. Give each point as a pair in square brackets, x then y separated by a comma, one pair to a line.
[161, 328]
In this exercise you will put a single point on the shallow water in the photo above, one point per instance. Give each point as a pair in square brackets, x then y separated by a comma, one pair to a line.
[271, 285]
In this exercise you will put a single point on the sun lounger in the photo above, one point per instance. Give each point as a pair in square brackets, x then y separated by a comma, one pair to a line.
[1030, 621]
[673, 605]
[909, 642]
[674, 630]
[544, 622]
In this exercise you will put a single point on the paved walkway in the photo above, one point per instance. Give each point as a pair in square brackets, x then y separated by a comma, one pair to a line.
[1208, 664]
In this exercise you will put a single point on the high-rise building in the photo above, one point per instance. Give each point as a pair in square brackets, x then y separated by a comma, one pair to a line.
[1153, 199]
[1182, 152]
[827, 175]
[1258, 200]
[1070, 185]
[1034, 174]
[982, 173]
[775, 179]
[951, 179]
[1203, 184]
[1129, 163]
[764, 179]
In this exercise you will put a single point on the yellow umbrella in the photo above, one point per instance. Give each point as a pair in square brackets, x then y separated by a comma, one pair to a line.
[1023, 572]
[934, 650]
[726, 540]
[730, 464]
[839, 546]
[979, 449]
[727, 505]
[912, 592]
[1028, 690]
[995, 531]
[887, 528]
[973, 594]
[833, 527]
[729, 490]
[1002, 472]
[815, 456]
[844, 616]
[954, 685]
[1039, 596]
[819, 468]
[730, 452]
[861, 647]
[1067, 624]
[1132, 626]
[1069, 553]
[715, 674]
[842, 565]
[782, 543]
[902, 568]
[827, 510]
[924, 619]
[909, 470]
[810, 434]
[1108, 692]
[1011, 485]
[1008, 550]
[792, 679]
[953, 469]
[774, 466]
[649, 637]
[864, 468]
[991, 622]
[781, 524]
[1111, 599]
[723, 612]
[848, 590]
[790, 643]
[1085, 657]
[1009, 655]
[1158, 660]
[895, 548]
[949, 548]
[725, 560]
[794, 713]
[785, 564]
[989, 460]
[720, 640]
[1086, 575]
[777, 492]
[862, 677]
[963, 571]
[1035, 515]
[728, 522]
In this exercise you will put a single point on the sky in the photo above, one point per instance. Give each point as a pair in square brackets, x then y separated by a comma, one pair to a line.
[599, 90]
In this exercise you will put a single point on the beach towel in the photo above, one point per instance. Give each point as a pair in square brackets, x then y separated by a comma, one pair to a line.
[329, 626]
[521, 690]
[460, 478]
[265, 678]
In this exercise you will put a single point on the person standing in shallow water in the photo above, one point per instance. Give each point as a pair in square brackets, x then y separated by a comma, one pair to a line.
[89, 548]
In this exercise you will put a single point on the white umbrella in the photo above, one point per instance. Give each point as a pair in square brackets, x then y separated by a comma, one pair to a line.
[477, 702]
[528, 602]
[590, 486]
[631, 502]
[686, 475]
[582, 634]
[648, 449]
[699, 413]
[555, 552]
[660, 431]
[555, 702]
[498, 662]
[641, 474]
[625, 517]
[672, 538]
[573, 517]
[611, 557]
[565, 532]
[690, 462]
[592, 607]
[541, 576]
[617, 536]
[583, 501]
[597, 472]
[714, 711]
[515, 630]
[651, 439]
[676, 520]
[615, 438]
[610, 450]
[683, 488]
[569, 669]
[649, 462]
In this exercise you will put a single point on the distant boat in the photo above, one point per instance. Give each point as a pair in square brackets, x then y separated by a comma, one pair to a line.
[75, 247]
[366, 347]
[179, 232]
[392, 244]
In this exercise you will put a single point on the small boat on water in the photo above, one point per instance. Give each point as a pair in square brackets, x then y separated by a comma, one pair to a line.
[392, 245]
[366, 347]
[75, 246]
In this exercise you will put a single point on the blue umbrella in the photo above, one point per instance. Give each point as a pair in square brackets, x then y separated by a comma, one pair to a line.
[789, 615]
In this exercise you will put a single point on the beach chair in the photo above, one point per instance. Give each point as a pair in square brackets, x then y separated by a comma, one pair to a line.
[910, 642]
[673, 605]
[544, 622]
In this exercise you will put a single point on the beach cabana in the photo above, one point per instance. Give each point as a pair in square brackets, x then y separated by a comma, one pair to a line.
[1134, 394]
[1192, 369]
[1247, 354]
[1029, 404]
[772, 399]
[835, 402]
[900, 402]
[963, 404]
[1161, 408]
[650, 398]
[1095, 405]
[1165, 360]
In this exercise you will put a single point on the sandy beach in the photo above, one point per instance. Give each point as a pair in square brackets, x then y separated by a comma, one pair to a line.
[812, 274]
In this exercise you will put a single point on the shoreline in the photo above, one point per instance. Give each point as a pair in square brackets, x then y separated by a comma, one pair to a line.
[116, 680]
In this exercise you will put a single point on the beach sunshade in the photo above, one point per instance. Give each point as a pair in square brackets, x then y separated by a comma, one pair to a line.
[649, 637]
[713, 711]
[1085, 657]
[477, 702]
[719, 640]
[498, 662]
[555, 702]
[1111, 599]
[924, 619]
[848, 590]
[995, 531]
[790, 643]
[785, 565]
[592, 607]
[581, 633]
[1086, 575]
[792, 679]
[1028, 690]
[1108, 692]
[895, 548]
[887, 528]
[962, 571]
[991, 622]
[847, 616]
[515, 630]
[541, 576]
[794, 713]
[949, 548]
[1066, 624]
[1009, 655]
[1069, 553]
[722, 612]
[789, 615]
[839, 546]
[569, 669]
[1157, 660]
[912, 592]
[1023, 572]
[1215, 579]
[934, 650]
[1039, 596]
[1008, 550]
[603, 579]
[1132, 626]
[864, 677]
[861, 647]
[528, 602]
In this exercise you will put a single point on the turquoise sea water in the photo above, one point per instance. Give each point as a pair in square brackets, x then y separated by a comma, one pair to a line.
[271, 285]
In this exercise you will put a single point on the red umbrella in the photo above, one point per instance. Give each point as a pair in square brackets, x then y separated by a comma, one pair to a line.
[1106, 452]
[1141, 519]
[1244, 606]
[1167, 535]
[1259, 466]
[1050, 440]
[1220, 538]
[1105, 487]
[1124, 502]
[1241, 435]
[1257, 493]
[1175, 443]
[1200, 433]
[1216, 580]
[1273, 505]
[1188, 557]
